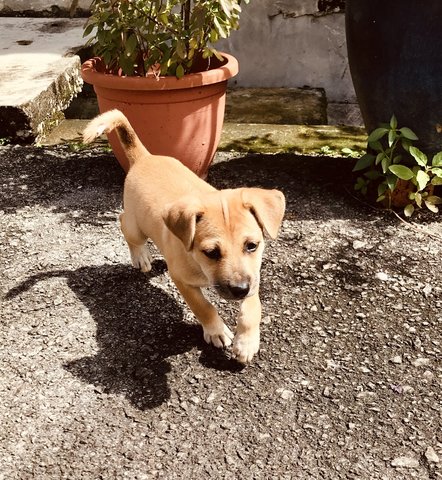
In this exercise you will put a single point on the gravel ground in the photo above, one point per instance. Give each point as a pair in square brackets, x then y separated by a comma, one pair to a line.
[104, 373]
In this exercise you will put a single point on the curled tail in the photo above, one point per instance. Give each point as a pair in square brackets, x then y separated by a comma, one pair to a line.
[116, 120]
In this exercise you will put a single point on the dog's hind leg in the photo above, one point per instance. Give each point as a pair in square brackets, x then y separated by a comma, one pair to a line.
[136, 242]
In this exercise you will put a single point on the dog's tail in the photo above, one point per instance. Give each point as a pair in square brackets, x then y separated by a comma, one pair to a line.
[116, 120]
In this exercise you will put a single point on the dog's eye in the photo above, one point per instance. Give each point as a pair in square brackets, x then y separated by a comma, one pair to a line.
[213, 254]
[251, 247]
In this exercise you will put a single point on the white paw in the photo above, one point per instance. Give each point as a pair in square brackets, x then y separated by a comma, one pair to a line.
[219, 335]
[245, 346]
[141, 258]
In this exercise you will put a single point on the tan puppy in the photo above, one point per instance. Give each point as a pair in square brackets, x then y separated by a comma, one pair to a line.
[208, 237]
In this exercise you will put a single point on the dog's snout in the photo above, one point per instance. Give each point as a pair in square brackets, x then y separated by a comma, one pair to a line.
[239, 290]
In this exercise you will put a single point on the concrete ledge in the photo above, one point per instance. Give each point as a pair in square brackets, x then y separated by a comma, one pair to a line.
[40, 74]
[325, 140]
[282, 106]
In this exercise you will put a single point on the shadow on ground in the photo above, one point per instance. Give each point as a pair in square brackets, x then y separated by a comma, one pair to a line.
[139, 326]
[63, 180]
[59, 178]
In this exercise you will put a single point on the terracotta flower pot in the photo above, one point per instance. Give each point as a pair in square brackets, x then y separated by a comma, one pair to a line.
[182, 118]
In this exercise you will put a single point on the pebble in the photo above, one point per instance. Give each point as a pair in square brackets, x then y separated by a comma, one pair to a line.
[211, 397]
[396, 359]
[285, 394]
[431, 455]
[417, 343]
[405, 462]
[383, 277]
[421, 362]
[427, 290]
[357, 244]
[266, 320]
[326, 392]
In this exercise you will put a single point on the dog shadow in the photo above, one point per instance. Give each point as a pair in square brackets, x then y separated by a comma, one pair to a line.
[138, 328]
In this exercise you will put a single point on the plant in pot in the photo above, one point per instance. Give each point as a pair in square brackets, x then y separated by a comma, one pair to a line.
[399, 173]
[157, 64]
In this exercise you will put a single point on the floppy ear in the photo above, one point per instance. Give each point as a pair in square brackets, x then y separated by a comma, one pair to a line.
[267, 206]
[180, 218]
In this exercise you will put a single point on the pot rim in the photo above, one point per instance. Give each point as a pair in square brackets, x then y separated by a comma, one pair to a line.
[100, 79]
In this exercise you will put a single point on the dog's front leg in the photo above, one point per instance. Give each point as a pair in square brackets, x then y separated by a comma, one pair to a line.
[215, 331]
[246, 342]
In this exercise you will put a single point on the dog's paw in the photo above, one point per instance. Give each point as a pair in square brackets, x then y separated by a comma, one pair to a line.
[141, 258]
[245, 346]
[219, 335]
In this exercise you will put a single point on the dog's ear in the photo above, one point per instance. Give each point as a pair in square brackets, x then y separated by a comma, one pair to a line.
[181, 218]
[267, 206]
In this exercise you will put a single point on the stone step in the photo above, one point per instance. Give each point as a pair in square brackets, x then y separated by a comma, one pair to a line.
[39, 74]
[281, 106]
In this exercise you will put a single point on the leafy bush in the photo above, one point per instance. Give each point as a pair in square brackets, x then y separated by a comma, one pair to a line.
[164, 37]
[392, 159]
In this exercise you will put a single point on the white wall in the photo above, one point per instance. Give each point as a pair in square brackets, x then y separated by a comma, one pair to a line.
[41, 5]
[282, 51]
[291, 44]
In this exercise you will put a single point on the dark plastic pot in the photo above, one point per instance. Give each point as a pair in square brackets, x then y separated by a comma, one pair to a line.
[395, 58]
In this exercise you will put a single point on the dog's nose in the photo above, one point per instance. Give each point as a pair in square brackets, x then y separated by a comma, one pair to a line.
[240, 290]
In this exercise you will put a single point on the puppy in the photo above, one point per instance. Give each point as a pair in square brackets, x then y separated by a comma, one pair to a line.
[208, 237]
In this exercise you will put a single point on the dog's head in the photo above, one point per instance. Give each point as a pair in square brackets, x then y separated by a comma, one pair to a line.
[224, 232]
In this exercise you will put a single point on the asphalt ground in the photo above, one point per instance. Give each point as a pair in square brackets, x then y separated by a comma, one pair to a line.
[105, 374]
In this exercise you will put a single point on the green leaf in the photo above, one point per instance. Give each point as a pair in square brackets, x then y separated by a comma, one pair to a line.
[372, 174]
[385, 164]
[164, 18]
[391, 181]
[397, 159]
[434, 199]
[409, 210]
[131, 44]
[219, 28]
[349, 152]
[437, 160]
[227, 7]
[422, 179]
[88, 29]
[436, 171]
[406, 144]
[408, 133]
[436, 181]
[420, 157]
[431, 206]
[393, 122]
[401, 171]
[379, 158]
[364, 162]
[181, 49]
[179, 71]
[377, 134]
[361, 185]
[418, 199]
[382, 188]
[376, 146]
[391, 137]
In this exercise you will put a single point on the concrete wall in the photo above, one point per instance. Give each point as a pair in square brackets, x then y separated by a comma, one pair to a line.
[282, 43]
[43, 5]
[296, 43]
